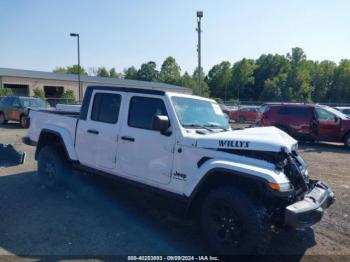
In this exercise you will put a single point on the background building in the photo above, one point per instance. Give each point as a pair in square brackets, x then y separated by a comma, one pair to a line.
[23, 82]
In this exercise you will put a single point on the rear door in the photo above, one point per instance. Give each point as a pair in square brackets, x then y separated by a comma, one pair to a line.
[297, 119]
[146, 153]
[97, 136]
[328, 125]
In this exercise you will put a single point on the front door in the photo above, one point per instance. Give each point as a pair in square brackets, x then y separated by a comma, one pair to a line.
[97, 136]
[144, 152]
[328, 125]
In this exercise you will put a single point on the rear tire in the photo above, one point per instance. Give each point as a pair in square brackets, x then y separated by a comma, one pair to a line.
[3, 120]
[347, 141]
[234, 224]
[53, 167]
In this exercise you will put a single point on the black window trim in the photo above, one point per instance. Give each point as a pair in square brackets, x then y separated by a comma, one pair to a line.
[150, 129]
[89, 91]
[92, 108]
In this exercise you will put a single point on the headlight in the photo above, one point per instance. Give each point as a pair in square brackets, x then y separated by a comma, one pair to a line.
[280, 187]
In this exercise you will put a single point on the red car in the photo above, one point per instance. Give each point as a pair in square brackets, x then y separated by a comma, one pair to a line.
[307, 121]
[244, 114]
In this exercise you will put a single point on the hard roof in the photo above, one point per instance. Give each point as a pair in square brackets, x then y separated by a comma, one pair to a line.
[90, 79]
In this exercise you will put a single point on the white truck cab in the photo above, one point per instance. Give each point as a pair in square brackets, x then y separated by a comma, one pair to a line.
[237, 182]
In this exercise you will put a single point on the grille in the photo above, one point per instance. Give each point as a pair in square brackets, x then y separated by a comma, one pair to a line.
[294, 172]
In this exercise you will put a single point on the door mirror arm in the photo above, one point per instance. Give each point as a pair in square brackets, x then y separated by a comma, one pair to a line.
[166, 133]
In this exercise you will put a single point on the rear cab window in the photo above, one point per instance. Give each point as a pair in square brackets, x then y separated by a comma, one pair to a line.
[143, 109]
[106, 107]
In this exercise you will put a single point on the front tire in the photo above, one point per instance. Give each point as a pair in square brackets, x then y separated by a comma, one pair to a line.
[53, 167]
[234, 224]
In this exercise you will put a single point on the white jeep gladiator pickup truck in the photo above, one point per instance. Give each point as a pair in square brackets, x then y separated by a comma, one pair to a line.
[238, 183]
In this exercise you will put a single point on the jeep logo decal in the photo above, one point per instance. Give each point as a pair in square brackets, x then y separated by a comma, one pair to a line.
[238, 144]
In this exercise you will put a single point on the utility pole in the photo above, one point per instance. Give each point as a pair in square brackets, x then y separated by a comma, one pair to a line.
[199, 17]
[79, 82]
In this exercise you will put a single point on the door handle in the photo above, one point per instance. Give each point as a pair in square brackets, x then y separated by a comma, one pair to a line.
[95, 132]
[128, 138]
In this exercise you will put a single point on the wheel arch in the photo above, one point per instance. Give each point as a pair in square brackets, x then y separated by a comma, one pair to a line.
[346, 133]
[216, 177]
[57, 139]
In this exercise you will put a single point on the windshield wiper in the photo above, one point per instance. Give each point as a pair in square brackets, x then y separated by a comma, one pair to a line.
[199, 126]
[216, 126]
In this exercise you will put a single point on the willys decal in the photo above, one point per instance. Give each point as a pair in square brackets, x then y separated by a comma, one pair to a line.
[235, 144]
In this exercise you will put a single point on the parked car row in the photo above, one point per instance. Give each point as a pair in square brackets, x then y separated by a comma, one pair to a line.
[17, 108]
[302, 121]
[241, 114]
[311, 122]
[307, 121]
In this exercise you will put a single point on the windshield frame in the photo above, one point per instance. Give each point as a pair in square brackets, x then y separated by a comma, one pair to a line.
[207, 126]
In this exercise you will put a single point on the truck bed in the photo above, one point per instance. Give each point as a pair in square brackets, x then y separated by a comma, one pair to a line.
[44, 118]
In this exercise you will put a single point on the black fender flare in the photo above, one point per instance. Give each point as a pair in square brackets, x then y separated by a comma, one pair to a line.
[227, 176]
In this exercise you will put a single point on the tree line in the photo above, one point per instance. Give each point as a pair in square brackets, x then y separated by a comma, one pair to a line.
[271, 77]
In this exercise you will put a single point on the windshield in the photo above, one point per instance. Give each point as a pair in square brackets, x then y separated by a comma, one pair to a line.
[33, 103]
[335, 112]
[199, 113]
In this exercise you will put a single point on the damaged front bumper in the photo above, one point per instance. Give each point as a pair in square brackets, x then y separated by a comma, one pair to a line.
[309, 211]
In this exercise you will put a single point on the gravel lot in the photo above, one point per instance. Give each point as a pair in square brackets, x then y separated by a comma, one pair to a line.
[100, 217]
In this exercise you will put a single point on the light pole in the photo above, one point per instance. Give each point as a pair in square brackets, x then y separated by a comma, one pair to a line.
[79, 83]
[199, 17]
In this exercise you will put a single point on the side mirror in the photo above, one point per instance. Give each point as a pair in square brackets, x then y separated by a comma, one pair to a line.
[336, 119]
[161, 124]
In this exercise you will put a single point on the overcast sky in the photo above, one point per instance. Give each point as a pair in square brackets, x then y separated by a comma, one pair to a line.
[34, 34]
